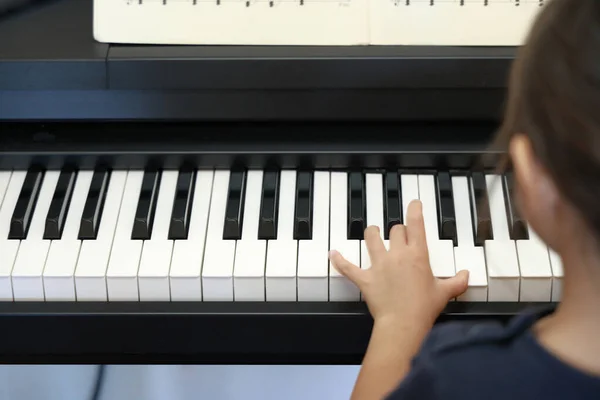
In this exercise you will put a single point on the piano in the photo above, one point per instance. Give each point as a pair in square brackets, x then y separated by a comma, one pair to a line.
[175, 204]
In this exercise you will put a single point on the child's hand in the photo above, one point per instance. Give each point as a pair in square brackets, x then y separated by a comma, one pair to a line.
[400, 285]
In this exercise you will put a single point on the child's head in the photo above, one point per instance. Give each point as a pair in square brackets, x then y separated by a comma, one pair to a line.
[552, 123]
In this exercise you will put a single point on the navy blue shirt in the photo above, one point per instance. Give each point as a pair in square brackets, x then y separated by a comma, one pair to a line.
[490, 361]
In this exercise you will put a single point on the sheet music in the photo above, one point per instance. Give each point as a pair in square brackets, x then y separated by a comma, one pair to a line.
[452, 22]
[244, 22]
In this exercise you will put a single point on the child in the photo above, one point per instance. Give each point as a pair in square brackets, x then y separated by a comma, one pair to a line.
[551, 133]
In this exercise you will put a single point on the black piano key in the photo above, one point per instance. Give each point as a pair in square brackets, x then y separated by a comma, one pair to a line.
[182, 205]
[144, 215]
[480, 208]
[304, 206]
[234, 213]
[57, 213]
[23, 213]
[269, 205]
[392, 197]
[517, 226]
[94, 205]
[356, 206]
[446, 215]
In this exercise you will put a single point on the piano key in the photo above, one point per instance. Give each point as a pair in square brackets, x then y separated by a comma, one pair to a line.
[313, 254]
[29, 264]
[516, 224]
[182, 205]
[303, 221]
[410, 191]
[121, 274]
[59, 269]
[269, 205]
[10, 188]
[153, 272]
[375, 215]
[94, 255]
[186, 264]
[441, 251]
[23, 212]
[356, 206]
[234, 214]
[219, 253]
[340, 287]
[466, 254]
[447, 219]
[393, 202]
[557, 275]
[250, 252]
[282, 252]
[94, 205]
[4, 182]
[482, 222]
[57, 214]
[535, 269]
[500, 252]
[146, 206]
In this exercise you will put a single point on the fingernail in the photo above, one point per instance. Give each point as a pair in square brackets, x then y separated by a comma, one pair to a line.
[332, 253]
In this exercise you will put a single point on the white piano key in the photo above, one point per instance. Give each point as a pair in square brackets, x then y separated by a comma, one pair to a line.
[8, 248]
[121, 274]
[410, 192]
[374, 203]
[59, 272]
[186, 264]
[536, 272]
[313, 255]
[4, 181]
[250, 252]
[217, 270]
[501, 253]
[340, 287]
[153, 272]
[441, 252]
[94, 255]
[466, 254]
[557, 275]
[27, 272]
[282, 252]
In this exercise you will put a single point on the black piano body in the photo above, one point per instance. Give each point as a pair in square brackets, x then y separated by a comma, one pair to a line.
[65, 99]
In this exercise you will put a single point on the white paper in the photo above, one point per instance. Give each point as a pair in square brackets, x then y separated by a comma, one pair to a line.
[452, 22]
[286, 22]
[316, 22]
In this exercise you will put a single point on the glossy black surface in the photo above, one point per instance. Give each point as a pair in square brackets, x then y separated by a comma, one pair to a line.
[51, 68]
[203, 333]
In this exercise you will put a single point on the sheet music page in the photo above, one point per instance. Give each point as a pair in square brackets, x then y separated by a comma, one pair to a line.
[244, 22]
[452, 22]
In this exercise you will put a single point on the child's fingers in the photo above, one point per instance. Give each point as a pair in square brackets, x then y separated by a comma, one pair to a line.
[415, 227]
[374, 243]
[346, 268]
[397, 236]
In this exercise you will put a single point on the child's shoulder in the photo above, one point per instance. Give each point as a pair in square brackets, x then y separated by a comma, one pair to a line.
[457, 337]
[467, 360]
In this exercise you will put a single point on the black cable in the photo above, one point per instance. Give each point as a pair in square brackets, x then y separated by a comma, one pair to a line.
[99, 383]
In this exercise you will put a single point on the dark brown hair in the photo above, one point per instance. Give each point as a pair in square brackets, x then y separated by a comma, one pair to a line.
[554, 99]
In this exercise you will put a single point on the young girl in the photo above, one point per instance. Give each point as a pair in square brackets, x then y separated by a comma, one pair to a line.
[551, 135]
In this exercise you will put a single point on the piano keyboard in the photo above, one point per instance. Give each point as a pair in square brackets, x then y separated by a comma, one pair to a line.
[256, 235]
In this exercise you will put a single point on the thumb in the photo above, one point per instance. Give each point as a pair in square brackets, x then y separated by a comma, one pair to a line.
[457, 285]
[346, 268]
